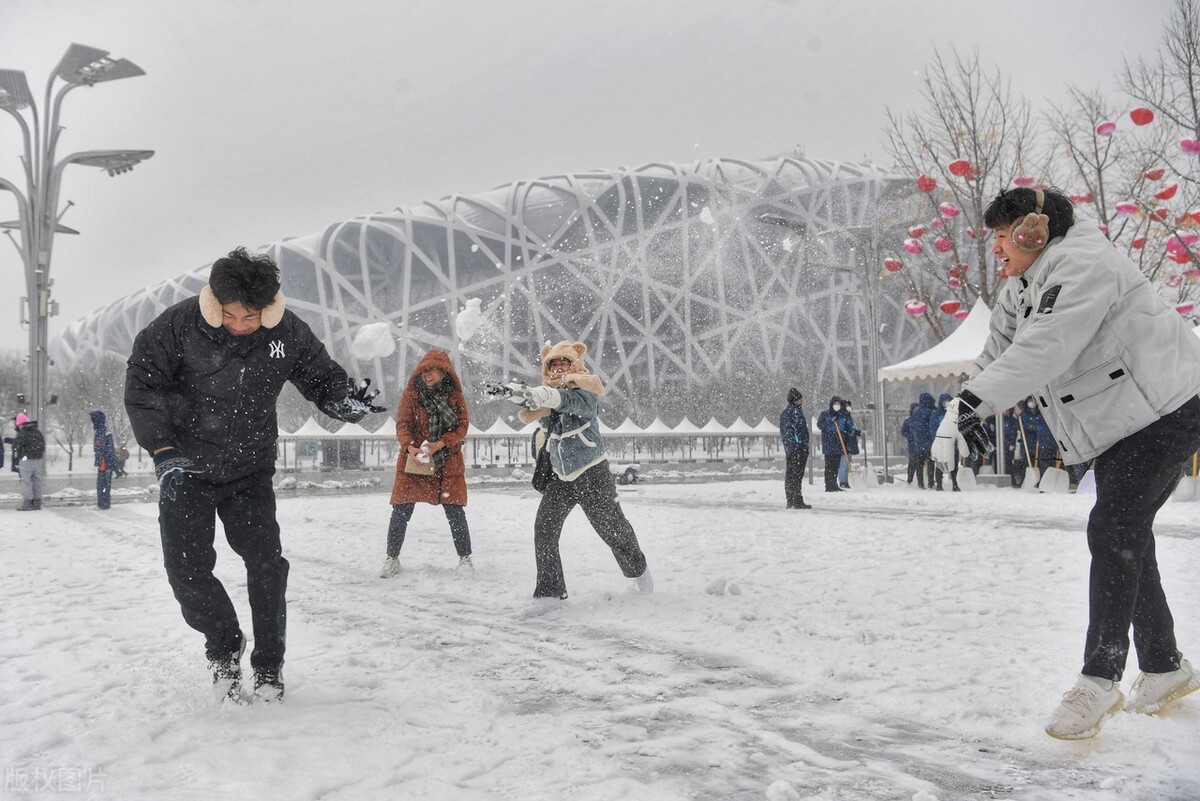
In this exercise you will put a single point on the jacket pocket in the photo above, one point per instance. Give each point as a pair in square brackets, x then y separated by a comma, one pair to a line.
[1101, 406]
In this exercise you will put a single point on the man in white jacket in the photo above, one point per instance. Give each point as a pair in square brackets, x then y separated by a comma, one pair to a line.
[1116, 372]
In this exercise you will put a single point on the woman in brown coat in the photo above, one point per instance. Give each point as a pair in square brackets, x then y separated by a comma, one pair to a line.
[431, 423]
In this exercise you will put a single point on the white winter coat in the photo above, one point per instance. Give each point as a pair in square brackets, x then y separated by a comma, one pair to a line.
[1087, 333]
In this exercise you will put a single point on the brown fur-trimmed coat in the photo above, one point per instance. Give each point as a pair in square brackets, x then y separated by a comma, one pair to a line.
[412, 428]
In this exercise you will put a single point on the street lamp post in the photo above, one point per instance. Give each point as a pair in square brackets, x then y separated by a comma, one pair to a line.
[37, 219]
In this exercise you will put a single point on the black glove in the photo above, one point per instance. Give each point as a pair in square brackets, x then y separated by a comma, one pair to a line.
[169, 468]
[971, 427]
[357, 403]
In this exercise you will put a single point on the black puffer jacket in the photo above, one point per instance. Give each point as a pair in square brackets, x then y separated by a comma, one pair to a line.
[212, 395]
[29, 443]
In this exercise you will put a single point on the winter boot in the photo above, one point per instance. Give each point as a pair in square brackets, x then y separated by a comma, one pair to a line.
[268, 685]
[1153, 691]
[465, 562]
[227, 676]
[391, 566]
[27, 506]
[800, 504]
[1084, 709]
[37, 504]
[542, 606]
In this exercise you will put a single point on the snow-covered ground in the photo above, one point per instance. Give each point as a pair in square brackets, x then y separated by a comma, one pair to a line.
[894, 644]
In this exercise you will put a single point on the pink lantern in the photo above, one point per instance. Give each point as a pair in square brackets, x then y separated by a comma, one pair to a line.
[943, 244]
[913, 246]
[1190, 145]
[917, 231]
[1138, 243]
[1106, 128]
[1086, 197]
[949, 210]
[1126, 208]
[971, 233]
[1022, 180]
[1141, 116]
[893, 265]
[1185, 307]
[961, 314]
[1173, 281]
[915, 307]
[1195, 215]
[1155, 174]
[950, 306]
[1179, 241]
[926, 183]
[1182, 257]
[960, 167]
[936, 222]
[954, 283]
[1167, 192]
[1160, 214]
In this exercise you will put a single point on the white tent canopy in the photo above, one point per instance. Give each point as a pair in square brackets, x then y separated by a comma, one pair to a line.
[954, 356]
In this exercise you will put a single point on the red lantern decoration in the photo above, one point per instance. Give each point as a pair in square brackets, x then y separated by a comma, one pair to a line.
[1160, 214]
[1156, 174]
[1185, 308]
[893, 265]
[926, 183]
[917, 231]
[915, 307]
[1173, 281]
[1138, 243]
[943, 244]
[961, 314]
[960, 167]
[1084, 198]
[1022, 180]
[1167, 192]
[950, 306]
[1180, 257]
[1141, 116]
[971, 233]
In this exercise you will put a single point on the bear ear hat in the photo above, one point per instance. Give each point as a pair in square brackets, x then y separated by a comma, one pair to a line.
[580, 348]
[545, 349]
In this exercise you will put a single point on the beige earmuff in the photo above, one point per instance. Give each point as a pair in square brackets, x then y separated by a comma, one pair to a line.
[1032, 231]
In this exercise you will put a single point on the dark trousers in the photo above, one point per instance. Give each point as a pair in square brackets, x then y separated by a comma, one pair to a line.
[916, 467]
[1134, 478]
[188, 526]
[832, 462]
[939, 473]
[402, 513]
[793, 477]
[104, 488]
[596, 491]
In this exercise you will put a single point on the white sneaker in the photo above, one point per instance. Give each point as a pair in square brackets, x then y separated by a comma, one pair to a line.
[1084, 709]
[465, 561]
[391, 566]
[542, 606]
[1152, 691]
[644, 582]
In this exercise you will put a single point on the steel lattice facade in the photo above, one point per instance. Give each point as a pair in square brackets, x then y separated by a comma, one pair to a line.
[699, 288]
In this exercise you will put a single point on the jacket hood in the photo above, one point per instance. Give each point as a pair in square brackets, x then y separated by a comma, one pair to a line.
[835, 399]
[439, 359]
[579, 377]
[926, 400]
[943, 399]
[794, 395]
[98, 420]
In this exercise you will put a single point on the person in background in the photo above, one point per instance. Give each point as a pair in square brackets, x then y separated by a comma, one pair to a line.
[29, 457]
[909, 430]
[565, 407]
[201, 390]
[851, 448]
[837, 430]
[793, 430]
[1014, 451]
[104, 459]
[1116, 372]
[935, 420]
[122, 458]
[431, 423]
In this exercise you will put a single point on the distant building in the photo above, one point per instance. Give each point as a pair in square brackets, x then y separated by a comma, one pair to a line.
[699, 288]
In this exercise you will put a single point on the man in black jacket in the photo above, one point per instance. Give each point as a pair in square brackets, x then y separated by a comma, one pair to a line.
[200, 391]
[29, 452]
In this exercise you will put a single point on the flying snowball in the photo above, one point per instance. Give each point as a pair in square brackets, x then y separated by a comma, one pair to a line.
[467, 322]
[373, 341]
[706, 216]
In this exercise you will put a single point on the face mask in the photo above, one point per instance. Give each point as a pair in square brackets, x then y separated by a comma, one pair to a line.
[837, 407]
[1031, 405]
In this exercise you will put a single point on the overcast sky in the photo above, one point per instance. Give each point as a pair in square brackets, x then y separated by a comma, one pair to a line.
[274, 118]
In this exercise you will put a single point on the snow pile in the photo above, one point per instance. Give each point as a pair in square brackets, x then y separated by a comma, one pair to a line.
[373, 341]
[467, 322]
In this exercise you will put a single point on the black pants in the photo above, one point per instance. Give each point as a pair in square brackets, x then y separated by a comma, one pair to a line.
[832, 462]
[596, 491]
[916, 467]
[793, 477]
[104, 488]
[939, 473]
[402, 513]
[1134, 478]
[188, 526]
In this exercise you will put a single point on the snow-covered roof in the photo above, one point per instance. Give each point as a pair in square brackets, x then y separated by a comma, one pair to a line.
[952, 357]
[740, 426]
[499, 429]
[310, 429]
[713, 427]
[686, 426]
[657, 426]
[353, 431]
[628, 427]
[765, 426]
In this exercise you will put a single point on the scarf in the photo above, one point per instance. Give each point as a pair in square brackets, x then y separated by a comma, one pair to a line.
[442, 417]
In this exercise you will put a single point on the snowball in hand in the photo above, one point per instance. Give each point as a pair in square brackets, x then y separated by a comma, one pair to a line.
[469, 319]
[373, 341]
